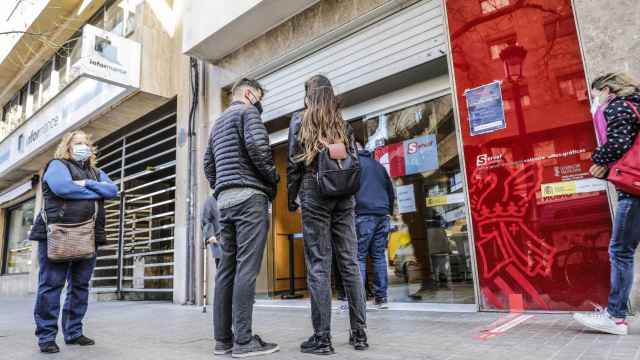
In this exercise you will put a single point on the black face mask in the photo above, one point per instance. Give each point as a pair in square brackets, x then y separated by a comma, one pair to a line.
[258, 106]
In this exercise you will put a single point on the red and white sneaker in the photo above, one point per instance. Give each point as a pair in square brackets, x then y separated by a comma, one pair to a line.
[600, 320]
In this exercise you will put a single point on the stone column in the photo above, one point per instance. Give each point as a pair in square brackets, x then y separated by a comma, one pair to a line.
[610, 43]
[210, 109]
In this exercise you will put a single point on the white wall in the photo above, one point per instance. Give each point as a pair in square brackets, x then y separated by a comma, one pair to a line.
[213, 29]
[218, 14]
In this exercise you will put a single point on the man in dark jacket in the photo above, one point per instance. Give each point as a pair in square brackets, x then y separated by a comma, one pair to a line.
[374, 204]
[239, 166]
[211, 228]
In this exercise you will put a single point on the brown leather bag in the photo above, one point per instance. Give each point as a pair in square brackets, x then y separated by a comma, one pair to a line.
[69, 242]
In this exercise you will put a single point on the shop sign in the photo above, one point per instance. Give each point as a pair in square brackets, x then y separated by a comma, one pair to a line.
[107, 70]
[70, 109]
[453, 215]
[421, 154]
[406, 199]
[108, 57]
[392, 158]
[433, 201]
[486, 108]
[413, 156]
[572, 187]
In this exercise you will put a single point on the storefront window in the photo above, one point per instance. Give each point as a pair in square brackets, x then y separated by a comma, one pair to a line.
[62, 68]
[428, 252]
[119, 18]
[18, 249]
[47, 88]
[33, 102]
[114, 18]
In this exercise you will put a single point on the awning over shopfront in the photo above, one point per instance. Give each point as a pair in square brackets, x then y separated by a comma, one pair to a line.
[213, 29]
[9, 195]
[106, 71]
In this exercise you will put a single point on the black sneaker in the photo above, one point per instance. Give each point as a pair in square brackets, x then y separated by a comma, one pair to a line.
[358, 339]
[81, 340]
[318, 345]
[223, 348]
[50, 347]
[255, 347]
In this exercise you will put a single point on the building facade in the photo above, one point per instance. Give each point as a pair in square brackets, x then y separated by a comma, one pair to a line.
[405, 71]
[114, 70]
[492, 215]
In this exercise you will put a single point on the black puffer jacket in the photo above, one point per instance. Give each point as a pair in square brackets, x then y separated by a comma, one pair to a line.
[70, 211]
[239, 153]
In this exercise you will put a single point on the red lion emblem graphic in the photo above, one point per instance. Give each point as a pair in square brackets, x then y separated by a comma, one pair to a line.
[509, 252]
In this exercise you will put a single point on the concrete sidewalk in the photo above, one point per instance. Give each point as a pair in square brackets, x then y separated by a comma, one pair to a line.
[158, 331]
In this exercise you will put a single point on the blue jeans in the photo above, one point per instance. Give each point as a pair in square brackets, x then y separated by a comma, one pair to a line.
[51, 279]
[624, 241]
[373, 237]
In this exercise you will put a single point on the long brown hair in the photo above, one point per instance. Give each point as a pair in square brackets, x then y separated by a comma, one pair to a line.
[322, 121]
[64, 149]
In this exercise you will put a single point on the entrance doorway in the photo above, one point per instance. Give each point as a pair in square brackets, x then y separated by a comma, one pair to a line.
[285, 240]
[428, 253]
[137, 261]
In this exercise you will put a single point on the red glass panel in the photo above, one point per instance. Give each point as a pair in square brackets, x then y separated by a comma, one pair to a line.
[541, 225]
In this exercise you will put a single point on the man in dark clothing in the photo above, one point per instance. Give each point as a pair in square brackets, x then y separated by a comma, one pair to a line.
[239, 166]
[211, 228]
[374, 204]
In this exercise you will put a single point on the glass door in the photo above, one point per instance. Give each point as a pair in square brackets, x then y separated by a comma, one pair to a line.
[428, 253]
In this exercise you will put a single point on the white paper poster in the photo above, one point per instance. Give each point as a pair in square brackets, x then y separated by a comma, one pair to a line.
[406, 199]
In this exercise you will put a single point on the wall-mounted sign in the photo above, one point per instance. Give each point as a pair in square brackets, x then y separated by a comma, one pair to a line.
[413, 156]
[406, 199]
[107, 71]
[421, 154]
[108, 57]
[455, 214]
[70, 109]
[441, 200]
[486, 108]
[573, 187]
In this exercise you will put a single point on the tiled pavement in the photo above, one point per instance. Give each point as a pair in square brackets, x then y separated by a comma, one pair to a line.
[158, 331]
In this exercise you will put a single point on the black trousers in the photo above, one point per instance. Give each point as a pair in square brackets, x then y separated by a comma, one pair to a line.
[244, 231]
[328, 224]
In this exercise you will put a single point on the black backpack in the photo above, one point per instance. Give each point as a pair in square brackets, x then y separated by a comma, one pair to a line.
[338, 176]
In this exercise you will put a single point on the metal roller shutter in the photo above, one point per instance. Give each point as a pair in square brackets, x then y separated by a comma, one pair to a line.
[138, 256]
[411, 37]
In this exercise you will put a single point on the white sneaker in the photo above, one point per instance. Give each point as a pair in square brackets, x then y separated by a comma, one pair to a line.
[382, 305]
[600, 320]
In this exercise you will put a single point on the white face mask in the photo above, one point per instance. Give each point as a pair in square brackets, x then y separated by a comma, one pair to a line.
[595, 105]
[80, 152]
[599, 99]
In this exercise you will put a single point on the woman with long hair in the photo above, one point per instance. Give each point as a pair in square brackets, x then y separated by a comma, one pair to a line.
[616, 109]
[328, 222]
[72, 188]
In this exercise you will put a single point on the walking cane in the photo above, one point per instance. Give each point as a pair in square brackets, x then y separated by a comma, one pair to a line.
[204, 278]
